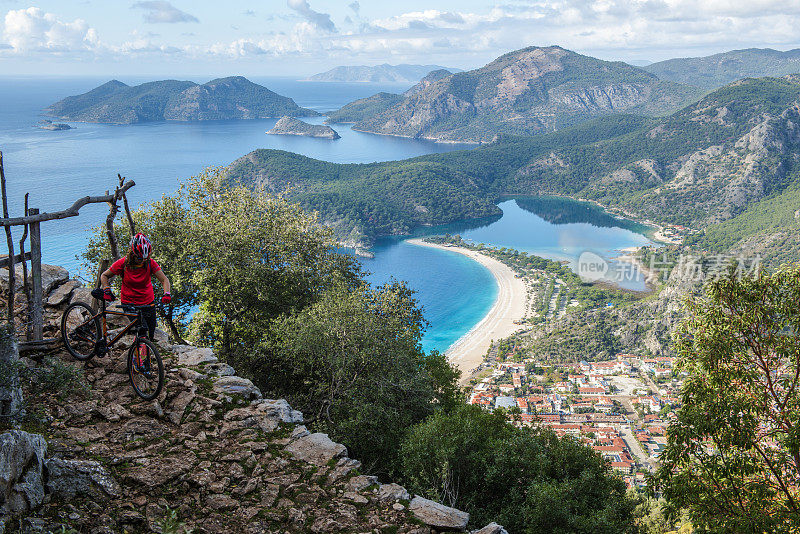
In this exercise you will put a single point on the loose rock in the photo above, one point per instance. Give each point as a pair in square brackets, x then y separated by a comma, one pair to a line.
[438, 515]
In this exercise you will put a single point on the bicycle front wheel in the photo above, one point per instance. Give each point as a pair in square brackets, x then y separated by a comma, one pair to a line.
[80, 330]
[145, 369]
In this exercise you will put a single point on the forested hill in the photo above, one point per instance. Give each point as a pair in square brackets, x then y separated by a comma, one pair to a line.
[528, 91]
[706, 164]
[712, 72]
[224, 98]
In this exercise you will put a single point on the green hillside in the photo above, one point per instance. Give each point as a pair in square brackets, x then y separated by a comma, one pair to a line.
[699, 167]
[364, 108]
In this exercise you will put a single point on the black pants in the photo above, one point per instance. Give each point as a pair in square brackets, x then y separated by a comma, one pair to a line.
[149, 317]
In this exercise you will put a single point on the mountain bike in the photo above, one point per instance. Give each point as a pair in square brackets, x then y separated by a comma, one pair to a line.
[85, 335]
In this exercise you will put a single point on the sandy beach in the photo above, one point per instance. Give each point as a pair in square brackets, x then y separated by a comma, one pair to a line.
[468, 352]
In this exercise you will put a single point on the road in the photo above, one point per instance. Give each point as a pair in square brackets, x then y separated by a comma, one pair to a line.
[641, 456]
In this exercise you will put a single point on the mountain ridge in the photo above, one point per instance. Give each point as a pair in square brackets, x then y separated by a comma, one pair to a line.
[714, 71]
[234, 97]
[525, 92]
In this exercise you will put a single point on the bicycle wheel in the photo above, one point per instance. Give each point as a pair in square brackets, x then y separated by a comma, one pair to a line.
[145, 369]
[80, 330]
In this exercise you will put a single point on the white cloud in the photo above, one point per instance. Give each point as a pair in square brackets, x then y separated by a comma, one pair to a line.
[32, 29]
[319, 20]
[161, 11]
[612, 29]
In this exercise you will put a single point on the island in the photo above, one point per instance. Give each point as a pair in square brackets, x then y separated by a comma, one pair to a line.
[291, 126]
[230, 98]
[49, 125]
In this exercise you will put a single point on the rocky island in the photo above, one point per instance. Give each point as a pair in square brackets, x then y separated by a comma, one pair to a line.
[55, 127]
[291, 126]
[235, 97]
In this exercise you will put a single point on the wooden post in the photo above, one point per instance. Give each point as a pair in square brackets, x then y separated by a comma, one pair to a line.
[37, 312]
[12, 279]
[25, 286]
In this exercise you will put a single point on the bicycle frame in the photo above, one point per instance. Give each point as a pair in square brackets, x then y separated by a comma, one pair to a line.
[136, 321]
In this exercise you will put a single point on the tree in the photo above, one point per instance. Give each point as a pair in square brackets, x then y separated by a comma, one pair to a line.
[528, 480]
[733, 453]
[294, 315]
[243, 256]
[166, 223]
[353, 363]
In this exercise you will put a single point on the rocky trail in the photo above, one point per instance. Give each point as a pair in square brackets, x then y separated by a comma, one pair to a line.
[210, 455]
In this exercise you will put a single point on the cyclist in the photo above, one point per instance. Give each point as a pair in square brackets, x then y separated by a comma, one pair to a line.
[137, 269]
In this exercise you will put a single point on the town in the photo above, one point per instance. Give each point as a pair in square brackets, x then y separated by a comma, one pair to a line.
[621, 408]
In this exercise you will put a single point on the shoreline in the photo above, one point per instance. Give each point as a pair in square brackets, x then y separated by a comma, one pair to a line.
[469, 350]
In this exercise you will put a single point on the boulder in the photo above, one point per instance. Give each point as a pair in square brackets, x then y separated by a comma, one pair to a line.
[236, 385]
[10, 390]
[361, 482]
[264, 414]
[81, 294]
[52, 277]
[192, 356]
[68, 479]
[161, 338]
[219, 369]
[21, 472]
[491, 528]
[392, 492]
[317, 449]
[62, 293]
[438, 515]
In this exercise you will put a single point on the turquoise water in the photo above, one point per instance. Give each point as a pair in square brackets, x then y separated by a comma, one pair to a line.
[457, 292]
[56, 168]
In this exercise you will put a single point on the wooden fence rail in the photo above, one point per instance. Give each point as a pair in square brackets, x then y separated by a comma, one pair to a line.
[31, 221]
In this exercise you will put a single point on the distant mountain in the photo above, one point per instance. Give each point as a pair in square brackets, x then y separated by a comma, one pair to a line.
[526, 92]
[712, 72]
[378, 74]
[224, 98]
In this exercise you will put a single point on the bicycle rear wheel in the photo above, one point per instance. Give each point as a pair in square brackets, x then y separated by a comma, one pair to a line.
[80, 330]
[145, 369]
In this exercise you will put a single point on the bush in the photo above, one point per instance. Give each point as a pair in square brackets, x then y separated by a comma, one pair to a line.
[528, 480]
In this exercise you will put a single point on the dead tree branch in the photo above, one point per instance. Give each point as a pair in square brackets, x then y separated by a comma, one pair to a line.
[125, 204]
[112, 214]
[72, 211]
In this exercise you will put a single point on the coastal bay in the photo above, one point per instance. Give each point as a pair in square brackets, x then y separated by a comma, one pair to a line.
[500, 321]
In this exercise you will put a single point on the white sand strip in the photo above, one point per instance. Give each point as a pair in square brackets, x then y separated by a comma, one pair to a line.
[468, 352]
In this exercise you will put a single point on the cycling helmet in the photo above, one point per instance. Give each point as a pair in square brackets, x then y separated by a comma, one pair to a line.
[141, 246]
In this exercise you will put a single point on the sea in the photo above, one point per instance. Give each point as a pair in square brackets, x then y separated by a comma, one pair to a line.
[57, 167]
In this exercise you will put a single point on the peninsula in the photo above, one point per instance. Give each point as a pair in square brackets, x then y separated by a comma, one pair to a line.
[291, 126]
[172, 100]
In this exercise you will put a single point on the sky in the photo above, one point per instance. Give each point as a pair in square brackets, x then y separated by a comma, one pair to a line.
[302, 37]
